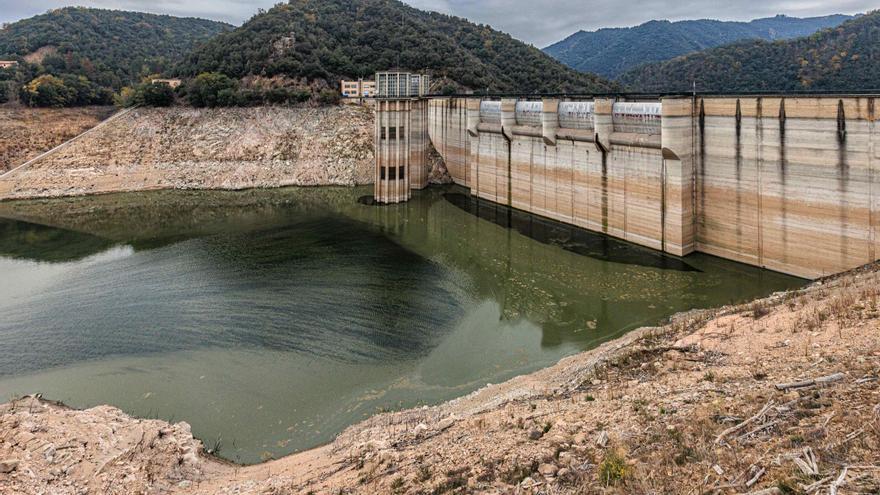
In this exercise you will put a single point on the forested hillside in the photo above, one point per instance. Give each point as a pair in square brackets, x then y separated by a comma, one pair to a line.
[610, 52]
[839, 59]
[322, 41]
[92, 52]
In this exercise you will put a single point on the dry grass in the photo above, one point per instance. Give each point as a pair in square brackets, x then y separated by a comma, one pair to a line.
[27, 132]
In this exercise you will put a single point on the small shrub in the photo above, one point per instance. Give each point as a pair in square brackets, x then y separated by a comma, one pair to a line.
[685, 455]
[424, 473]
[397, 486]
[455, 478]
[759, 309]
[328, 97]
[613, 469]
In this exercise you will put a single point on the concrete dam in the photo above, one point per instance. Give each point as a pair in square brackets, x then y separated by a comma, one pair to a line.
[784, 183]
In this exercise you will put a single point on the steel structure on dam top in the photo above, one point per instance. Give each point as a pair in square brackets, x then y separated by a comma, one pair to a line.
[782, 181]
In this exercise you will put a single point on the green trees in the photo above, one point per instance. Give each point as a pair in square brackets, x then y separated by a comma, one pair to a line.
[157, 94]
[51, 91]
[322, 41]
[843, 58]
[107, 49]
[7, 76]
[611, 52]
[45, 91]
[151, 94]
[212, 89]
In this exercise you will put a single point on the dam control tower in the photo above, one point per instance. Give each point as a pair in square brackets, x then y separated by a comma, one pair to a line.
[401, 139]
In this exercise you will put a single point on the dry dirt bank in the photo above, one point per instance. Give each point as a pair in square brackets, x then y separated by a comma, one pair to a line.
[186, 148]
[692, 407]
[27, 132]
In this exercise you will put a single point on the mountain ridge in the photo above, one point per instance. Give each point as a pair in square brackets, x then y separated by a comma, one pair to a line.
[625, 48]
[845, 58]
[333, 39]
[111, 48]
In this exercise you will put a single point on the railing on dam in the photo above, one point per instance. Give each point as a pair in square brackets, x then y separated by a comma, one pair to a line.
[627, 117]
[576, 114]
[490, 112]
[636, 117]
[529, 112]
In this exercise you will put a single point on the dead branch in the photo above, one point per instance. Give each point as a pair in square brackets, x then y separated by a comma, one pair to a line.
[755, 478]
[736, 428]
[808, 464]
[767, 491]
[822, 380]
[756, 430]
[849, 438]
[815, 486]
[838, 482]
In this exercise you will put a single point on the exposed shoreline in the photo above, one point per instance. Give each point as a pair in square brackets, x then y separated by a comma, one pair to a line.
[28, 132]
[185, 148]
[677, 387]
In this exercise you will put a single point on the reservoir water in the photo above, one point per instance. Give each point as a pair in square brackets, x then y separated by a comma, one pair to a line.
[273, 319]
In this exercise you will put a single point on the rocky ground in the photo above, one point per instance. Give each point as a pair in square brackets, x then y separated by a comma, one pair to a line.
[186, 148]
[28, 132]
[777, 396]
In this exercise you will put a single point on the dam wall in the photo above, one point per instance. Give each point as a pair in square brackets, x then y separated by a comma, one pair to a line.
[782, 183]
[787, 183]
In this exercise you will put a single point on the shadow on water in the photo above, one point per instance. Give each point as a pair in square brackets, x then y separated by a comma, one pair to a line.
[24, 240]
[568, 237]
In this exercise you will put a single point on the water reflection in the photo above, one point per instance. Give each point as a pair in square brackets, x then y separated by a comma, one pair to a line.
[568, 237]
[24, 240]
[279, 317]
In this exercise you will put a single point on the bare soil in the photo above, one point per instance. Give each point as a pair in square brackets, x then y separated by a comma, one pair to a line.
[720, 401]
[28, 132]
[186, 148]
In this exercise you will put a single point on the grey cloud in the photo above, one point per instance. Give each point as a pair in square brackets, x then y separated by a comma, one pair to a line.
[544, 22]
[534, 21]
[232, 11]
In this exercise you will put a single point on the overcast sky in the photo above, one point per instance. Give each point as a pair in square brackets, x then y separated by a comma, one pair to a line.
[539, 22]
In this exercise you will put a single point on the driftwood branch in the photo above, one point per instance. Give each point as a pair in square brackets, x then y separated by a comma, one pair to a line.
[734, 429]
[822, 380]
[755, 478]
[838, 482]
[808, 465]
[815, 486]
[756, 430]
[849, 438]
[767, 491]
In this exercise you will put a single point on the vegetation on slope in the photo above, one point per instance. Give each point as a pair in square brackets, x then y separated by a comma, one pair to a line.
[99, 50]
[318, 42]
[611, 52]
[844, 58]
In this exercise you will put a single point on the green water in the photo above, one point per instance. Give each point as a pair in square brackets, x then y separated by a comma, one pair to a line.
[274, 319]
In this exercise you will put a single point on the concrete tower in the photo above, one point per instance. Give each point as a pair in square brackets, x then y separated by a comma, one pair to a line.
[401, 148]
